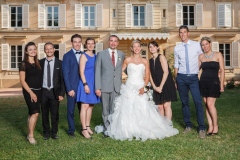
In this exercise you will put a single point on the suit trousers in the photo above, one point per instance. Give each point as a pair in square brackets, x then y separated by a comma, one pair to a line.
[186, 83]
[108, 106]
[71, 102]
[49, 103]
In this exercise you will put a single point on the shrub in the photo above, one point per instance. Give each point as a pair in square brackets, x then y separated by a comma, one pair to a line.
[230, 84]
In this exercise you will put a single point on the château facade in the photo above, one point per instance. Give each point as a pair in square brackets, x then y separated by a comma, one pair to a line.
[56, 21]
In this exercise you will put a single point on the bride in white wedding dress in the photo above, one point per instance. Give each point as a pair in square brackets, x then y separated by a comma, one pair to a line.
[134, 116]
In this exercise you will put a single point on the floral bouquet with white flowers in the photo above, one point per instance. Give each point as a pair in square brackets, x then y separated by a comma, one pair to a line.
[148, 90]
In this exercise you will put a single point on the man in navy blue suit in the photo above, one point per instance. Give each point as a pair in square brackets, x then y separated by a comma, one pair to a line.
[71, 77]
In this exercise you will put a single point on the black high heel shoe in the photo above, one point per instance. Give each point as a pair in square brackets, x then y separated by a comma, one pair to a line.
[84, 135]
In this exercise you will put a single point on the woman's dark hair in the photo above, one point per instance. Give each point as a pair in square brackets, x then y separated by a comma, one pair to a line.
[88, 39]
[154, 43]
[26, 57]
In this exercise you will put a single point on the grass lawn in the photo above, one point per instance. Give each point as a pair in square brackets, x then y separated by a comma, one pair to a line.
[224, 146]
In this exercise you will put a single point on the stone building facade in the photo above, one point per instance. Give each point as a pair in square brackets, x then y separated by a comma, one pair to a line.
[56, 21]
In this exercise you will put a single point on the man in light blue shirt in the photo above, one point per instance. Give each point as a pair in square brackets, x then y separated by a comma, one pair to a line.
[186, 75]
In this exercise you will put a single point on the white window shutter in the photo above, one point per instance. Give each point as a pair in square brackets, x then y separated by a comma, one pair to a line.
[5, 16]
[98, 48]
[62, 50]
[215, 46]
[23, 50]
[228, 15]
[128, 15]
[25, 8]
[99, 15]
[62, 16]
[41, 15]
[5, 56]
[78, 15]
[235, 54]
[41, 53]
[224, 15]
[149, 15]
[199, 14]
[179, 14]
[221, 15]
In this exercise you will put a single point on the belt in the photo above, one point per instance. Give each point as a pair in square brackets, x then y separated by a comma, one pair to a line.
[48, 89]
[187, 75]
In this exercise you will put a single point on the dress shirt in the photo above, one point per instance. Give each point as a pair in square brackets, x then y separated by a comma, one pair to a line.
[77, 55]
[52, 61]
[115, 54]
[194, 49]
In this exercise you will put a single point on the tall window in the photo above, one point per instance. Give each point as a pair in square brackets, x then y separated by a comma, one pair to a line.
[52, 16]
[188, 15]
[139, 15]
[16, 56]
[225, 50]
[89, 16]
[16, 16]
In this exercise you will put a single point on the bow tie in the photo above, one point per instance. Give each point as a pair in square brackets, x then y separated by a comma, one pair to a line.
[78, 52]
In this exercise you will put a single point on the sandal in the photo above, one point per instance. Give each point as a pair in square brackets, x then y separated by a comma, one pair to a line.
[86, 135]
[31, 140]
[89, 130]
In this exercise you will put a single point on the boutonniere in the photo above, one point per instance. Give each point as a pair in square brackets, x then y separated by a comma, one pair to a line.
[119, 58]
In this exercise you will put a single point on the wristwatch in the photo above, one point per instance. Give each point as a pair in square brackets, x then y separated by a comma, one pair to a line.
[84, 84]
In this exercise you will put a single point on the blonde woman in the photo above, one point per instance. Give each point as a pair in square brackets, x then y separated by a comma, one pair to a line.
[211, 86]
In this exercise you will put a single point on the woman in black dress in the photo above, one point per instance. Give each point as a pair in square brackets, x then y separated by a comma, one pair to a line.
[31, 80]
[211, 86]
[162, 81]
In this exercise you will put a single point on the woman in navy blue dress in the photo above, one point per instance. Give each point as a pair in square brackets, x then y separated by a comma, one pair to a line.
[86, 88]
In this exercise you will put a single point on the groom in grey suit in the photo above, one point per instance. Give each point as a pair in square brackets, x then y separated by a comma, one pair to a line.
[108, 76]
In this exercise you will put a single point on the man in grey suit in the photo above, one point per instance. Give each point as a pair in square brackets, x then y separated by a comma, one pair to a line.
[108, 77]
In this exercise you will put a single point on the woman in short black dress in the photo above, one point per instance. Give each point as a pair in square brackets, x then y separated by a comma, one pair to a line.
[210, 85]
[162, 81]
[31, 80]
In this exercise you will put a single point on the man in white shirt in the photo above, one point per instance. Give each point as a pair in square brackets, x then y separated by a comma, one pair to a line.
[186, 75]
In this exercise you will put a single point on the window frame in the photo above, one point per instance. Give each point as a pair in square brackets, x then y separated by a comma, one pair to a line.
[89, 16]
[139, 12]
[52, 14]
[17, 56]
[223, 51]
[16, 18]
[188, 14]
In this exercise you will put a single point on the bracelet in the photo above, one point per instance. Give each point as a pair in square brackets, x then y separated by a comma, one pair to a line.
[84, 84]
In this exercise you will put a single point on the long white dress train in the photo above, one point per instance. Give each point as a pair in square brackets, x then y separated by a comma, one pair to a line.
[134, 116]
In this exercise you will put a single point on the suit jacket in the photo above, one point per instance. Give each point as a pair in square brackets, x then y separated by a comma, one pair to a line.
[71, 74]
[107, 77]
[58, 83]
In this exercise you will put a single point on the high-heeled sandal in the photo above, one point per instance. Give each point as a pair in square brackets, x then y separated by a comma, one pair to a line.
[31, 140]
[84, 134]
[90, 132]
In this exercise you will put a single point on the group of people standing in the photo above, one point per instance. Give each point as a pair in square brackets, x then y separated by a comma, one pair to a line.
[88, 78]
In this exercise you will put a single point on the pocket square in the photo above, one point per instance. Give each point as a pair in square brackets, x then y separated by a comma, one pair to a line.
[57, 68]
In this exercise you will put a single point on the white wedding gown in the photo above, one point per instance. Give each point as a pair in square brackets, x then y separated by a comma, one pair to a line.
[134, 116]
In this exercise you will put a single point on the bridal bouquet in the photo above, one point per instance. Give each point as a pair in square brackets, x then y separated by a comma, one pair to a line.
[148, 90]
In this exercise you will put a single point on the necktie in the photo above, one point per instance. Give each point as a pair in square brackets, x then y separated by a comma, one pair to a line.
[186, 59]
[48, 75]
[113, 58]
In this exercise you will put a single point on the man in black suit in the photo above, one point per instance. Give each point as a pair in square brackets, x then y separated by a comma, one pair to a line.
[53, 90]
